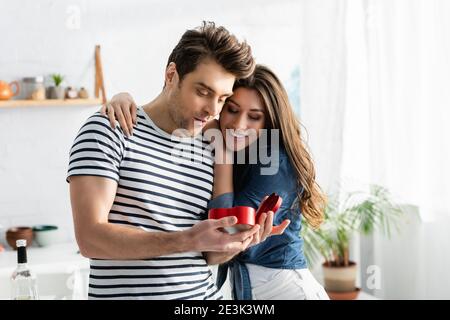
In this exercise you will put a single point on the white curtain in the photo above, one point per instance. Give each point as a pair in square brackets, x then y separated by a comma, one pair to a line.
[396, 135]
[375, 102]
[322, 85]
[409, 74]
[397, 101]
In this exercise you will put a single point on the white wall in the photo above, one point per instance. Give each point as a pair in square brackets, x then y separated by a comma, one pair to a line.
[414, 262]
[136, 37]
[34, 149]
[45, 36]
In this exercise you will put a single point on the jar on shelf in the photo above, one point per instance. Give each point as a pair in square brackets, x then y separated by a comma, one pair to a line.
[83, 93]
[33, 88]
[71, 93]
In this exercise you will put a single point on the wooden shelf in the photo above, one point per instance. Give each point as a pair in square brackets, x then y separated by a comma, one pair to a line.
[50, 102]
[98, 98]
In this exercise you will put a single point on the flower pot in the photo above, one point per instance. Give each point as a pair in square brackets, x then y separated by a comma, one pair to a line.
[57, 92]
[340, 279]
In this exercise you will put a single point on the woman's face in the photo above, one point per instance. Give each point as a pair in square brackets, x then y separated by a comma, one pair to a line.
[242, 118]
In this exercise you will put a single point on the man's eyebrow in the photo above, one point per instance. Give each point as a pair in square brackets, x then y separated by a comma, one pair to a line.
[253, 109]
[212, 90]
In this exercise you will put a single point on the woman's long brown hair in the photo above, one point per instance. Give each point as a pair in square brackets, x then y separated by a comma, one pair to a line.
[281, 116]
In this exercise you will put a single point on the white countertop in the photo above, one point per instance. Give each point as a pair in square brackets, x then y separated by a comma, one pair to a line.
[38, 257]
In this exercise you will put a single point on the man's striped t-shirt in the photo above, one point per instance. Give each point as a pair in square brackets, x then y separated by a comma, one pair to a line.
[164, 184]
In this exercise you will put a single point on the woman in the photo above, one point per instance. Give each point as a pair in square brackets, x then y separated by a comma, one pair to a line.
[273, 268]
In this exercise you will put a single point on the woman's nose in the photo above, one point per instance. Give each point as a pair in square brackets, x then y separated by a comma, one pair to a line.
[239, 123]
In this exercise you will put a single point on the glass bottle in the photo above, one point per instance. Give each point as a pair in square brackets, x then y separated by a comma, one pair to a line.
[23, 281]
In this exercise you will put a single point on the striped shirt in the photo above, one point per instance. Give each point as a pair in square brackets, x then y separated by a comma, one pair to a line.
[164, 184]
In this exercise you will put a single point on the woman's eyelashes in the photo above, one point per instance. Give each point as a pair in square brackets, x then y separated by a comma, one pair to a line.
[233, 110]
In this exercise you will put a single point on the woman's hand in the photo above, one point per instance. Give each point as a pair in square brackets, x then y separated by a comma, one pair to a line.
[266, 227]
[123, 109]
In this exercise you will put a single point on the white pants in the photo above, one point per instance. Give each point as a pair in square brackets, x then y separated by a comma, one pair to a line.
[283, 284]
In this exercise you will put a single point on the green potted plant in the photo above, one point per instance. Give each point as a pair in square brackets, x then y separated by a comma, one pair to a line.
[57, 91]
[358, 212]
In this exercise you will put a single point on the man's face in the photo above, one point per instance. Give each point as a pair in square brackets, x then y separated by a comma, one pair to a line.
[200, 96]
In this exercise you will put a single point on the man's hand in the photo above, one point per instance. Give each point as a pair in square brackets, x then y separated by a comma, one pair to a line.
[123, 109]
[213, 257]
[208, 235]
[217, 257]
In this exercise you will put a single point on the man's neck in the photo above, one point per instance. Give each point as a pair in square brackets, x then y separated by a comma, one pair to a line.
[158, 111]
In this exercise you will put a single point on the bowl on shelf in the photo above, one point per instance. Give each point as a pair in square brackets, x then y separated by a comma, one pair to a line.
[46, 235]
[16, 233]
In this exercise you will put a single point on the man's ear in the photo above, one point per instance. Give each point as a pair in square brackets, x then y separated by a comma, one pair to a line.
[171, 74]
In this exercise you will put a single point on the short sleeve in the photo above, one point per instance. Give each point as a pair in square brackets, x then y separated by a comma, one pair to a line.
[97, 150]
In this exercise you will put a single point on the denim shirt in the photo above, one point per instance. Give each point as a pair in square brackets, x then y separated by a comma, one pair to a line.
[279, 251]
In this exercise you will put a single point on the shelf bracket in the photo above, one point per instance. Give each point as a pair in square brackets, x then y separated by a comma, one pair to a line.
[99, 83]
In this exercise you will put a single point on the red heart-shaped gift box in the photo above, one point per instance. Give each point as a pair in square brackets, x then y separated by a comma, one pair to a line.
[247, 216]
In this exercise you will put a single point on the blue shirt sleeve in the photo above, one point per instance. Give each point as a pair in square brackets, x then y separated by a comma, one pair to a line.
[225, 200]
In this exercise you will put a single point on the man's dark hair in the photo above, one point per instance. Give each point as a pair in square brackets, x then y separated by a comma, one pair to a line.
[216, 43]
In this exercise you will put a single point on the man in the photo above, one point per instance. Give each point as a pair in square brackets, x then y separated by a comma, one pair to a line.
[139, 208]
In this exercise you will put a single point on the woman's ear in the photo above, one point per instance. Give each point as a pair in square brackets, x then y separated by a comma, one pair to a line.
[171, 74]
